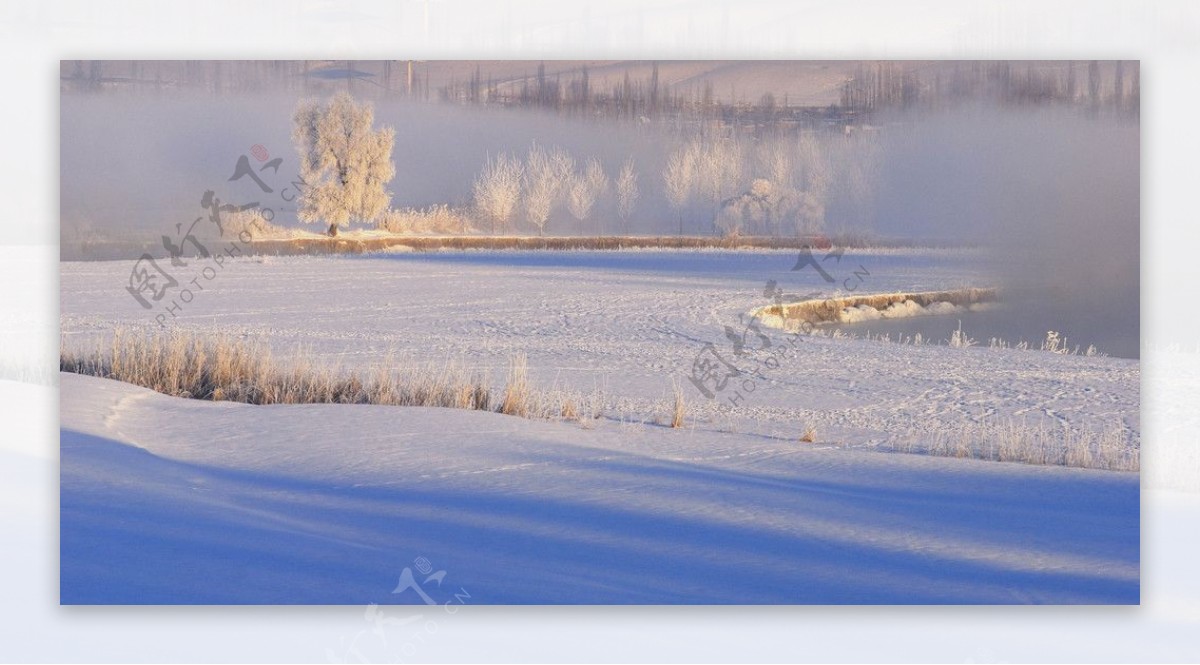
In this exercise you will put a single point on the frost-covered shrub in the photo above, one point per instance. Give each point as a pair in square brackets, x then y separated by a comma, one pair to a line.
[859, 314]
[1055, 343]
[941, 308]
[251, 223]
[900, 310]
[959, 339]
[438, 219]
[761, 210]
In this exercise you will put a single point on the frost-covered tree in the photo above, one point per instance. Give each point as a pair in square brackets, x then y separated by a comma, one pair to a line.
[810, 216]
[627, 192]
[579, 198]
[585, 188]
[562, 164]
[706, 169]
[538, 188]
[815, 179]
[678, 180]
[775, 162]
[597, 185]
[545, 177]
[345, 163]
[498, 189]
[753, 210]
[718, 169]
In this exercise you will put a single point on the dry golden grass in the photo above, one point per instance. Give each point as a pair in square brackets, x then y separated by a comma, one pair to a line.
[811, 312]
[516, 400]
[678, 407]
[455, 240]
[569, 411]
[224, 368]
[810, 435]
[1113, 449]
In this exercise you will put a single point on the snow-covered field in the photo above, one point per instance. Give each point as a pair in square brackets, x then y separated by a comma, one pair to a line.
[171, 500]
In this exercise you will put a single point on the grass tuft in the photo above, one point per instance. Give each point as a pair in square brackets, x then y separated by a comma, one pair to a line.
[1113, 449]
[569, 410]
[678, 407]
[516, 400]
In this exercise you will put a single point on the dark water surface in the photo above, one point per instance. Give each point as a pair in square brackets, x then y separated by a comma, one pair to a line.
[1015, 322]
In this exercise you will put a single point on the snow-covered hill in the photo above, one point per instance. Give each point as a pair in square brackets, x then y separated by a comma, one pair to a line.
[167, 500]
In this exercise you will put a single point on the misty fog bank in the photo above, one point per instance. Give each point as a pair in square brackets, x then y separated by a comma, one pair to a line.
[1054, 195]
[133, 164]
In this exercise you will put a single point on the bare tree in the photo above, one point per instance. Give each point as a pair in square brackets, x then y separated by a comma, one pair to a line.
[627, 190]
[345, 164]
[498, 189]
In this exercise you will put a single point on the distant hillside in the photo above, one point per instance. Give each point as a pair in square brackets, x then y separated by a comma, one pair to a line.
[787, 83]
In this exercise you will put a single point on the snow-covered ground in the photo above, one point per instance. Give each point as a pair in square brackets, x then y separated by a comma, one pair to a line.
[627, 324]
[168, 500]
[171, 500]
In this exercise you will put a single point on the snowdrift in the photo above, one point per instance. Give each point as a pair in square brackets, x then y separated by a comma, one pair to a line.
[171, 500]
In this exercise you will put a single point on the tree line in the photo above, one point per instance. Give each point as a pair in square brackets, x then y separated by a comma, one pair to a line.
[1108, 86]
[904, 85]
[786, 184]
